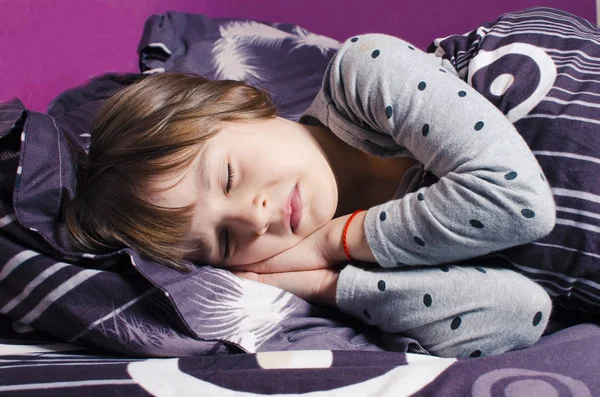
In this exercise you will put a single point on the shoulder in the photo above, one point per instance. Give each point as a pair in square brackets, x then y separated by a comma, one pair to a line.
[375, 49]
[367, 61]
[368, 43]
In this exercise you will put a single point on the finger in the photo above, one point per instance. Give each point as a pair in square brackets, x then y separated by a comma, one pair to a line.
[301, 257]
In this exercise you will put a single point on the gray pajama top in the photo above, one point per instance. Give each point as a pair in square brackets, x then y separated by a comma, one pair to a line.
[388, 98]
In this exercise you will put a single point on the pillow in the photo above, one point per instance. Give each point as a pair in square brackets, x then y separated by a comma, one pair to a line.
[285, 59]
[541, 68]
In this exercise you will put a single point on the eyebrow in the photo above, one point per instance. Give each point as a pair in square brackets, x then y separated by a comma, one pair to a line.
[203, 172]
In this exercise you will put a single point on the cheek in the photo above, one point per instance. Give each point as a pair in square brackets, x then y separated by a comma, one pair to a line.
[324, 200]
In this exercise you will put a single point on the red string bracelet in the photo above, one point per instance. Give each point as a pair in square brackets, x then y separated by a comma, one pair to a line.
[346, 230]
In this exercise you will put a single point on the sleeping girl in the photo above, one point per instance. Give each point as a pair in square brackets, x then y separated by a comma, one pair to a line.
[382, 201]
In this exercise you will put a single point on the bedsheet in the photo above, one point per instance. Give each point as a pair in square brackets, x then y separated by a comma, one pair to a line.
[32, 364]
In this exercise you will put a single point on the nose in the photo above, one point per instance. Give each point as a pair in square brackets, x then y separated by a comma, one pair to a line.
[254, 215]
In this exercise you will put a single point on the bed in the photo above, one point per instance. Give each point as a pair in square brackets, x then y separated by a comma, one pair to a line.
[74, 323]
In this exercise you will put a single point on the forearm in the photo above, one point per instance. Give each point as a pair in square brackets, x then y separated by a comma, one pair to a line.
[453, 312]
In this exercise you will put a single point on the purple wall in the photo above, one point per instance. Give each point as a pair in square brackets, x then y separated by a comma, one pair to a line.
[47, 46]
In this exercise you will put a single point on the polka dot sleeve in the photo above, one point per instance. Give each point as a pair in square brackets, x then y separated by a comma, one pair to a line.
[389, 98]
[453, 311]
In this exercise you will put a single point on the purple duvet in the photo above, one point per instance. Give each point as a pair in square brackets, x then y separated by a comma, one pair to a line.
[54, 299]
[561, 365]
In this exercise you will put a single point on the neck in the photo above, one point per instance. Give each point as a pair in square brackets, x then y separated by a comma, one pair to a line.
[350, 167]
[363, 180]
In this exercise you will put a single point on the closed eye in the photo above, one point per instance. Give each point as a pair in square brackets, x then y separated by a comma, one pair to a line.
[230, 180]
[230, 177]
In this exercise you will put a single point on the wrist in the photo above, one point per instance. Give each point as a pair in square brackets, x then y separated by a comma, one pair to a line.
[356, 239]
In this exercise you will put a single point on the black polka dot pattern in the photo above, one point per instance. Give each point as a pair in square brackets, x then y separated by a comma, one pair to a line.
[476, 224]
[388, 112]
[354, 39]
[480, 270]
[510, 176]
[427, 301]
[381, 285]
[537, 319]
[420, 197]
[419, 241]
[462, 94]
[479, 126]
[455, 323]
[422, 85]
[382, 216]
[444, 268]
[527, 213]
[542, 176]
[411, 47]
[425, 130]
[443, 70]
[476, 353]
[375, 53]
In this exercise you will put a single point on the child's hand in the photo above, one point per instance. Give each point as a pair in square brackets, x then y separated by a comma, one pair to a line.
[317, 286]
[320, 250]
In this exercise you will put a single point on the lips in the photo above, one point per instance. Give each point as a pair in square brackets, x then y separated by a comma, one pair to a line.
[294, 207]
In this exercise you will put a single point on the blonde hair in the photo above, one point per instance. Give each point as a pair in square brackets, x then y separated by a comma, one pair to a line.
[154, 127]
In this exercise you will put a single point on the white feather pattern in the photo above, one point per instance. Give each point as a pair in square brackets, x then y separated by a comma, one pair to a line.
[232, 61]
[242, 311]
[232, 55]
[306, 38]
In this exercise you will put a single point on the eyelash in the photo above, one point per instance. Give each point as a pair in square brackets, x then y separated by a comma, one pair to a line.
[230, 178]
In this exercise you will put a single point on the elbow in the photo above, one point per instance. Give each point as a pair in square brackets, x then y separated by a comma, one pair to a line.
[548, 224]
[533, 214]
[521, 321]
[543, 210]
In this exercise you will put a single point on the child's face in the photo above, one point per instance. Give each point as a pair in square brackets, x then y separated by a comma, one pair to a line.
[269, 159]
